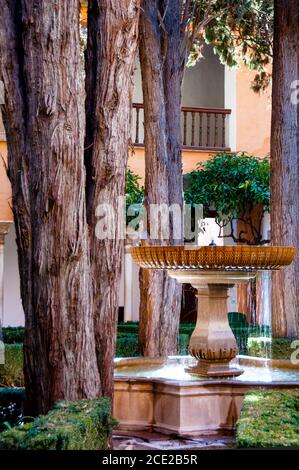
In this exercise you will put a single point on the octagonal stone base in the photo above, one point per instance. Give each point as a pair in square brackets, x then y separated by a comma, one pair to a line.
[185, 409]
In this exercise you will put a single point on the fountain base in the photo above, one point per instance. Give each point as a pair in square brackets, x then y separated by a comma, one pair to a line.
[214, 369]
[158, 394]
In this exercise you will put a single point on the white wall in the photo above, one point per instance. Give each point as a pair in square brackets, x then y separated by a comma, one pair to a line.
[230, 102]
[13, 310]
[203, 87]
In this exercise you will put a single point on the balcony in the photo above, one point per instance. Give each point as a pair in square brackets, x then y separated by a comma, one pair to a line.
[203, 129]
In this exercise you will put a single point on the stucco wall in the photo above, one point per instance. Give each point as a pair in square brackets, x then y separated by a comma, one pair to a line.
[253, 116]
[5, 190]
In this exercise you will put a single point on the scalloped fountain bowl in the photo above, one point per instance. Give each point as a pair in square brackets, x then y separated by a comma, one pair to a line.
[213, 270]
[202, 393]
[227, 258]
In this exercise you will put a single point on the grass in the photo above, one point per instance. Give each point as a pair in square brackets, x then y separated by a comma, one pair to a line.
[11, 373]
[269, 418]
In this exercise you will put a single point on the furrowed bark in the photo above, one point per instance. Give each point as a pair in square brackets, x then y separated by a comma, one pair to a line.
[44, 122]
[285, 165]
[110, 61]
[162, 72]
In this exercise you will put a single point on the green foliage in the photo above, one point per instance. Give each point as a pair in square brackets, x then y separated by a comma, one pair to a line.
[128, 327]
[11, 373]
[239, 31]
[269, 419]
[71, 425]
[240, 328]
[256, 330]
[134, 192]
[232, 185]
[11, 407]
[134, 195]
[183, 345]
[127, 345]
[13, 334]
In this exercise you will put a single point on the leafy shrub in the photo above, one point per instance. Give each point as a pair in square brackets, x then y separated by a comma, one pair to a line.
[11, 373]
[269, 419]
[71, 425]
[134, 194]
[233, 185]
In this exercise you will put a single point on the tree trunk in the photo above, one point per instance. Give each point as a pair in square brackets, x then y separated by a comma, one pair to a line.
[161, 70]
[44, 122]
[110, 61]
[285, 165]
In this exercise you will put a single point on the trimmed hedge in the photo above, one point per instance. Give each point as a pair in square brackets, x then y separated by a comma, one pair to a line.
[269, 419]
[275, 348]
[71, 425]
[128, 327]
[13, 334]
[11, 406]
[127, 345]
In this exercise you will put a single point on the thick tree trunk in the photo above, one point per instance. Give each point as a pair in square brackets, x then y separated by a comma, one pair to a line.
[285, 165]
[110, 61]
[161, 80]
[44, 122]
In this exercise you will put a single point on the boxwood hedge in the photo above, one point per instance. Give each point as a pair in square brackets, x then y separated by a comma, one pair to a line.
[71, 425]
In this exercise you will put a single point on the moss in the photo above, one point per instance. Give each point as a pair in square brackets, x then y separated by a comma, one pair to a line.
[71, 425]
[269, 419]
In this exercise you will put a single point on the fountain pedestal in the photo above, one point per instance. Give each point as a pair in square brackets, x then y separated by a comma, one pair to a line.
[212, 342]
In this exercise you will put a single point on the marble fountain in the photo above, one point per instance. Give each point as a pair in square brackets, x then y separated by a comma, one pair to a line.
[203, 392]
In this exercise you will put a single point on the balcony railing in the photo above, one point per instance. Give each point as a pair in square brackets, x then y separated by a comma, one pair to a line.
[202, 128]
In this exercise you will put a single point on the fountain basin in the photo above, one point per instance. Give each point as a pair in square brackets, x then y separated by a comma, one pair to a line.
[160, 395]
[213, 270]
[227, 258]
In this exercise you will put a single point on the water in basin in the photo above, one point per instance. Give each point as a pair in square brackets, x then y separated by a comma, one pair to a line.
[174, 369]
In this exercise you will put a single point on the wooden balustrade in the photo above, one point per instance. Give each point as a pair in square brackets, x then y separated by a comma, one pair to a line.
[202, 128]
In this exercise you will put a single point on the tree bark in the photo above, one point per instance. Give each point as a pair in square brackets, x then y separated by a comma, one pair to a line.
[110, 61]
[44, 122]
[285, 165]
[162, 72]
